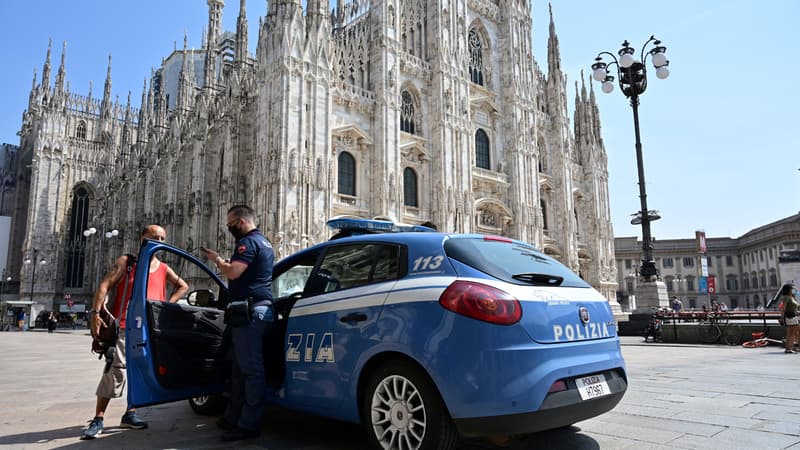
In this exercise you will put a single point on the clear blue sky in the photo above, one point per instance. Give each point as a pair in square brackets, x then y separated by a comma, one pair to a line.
[720, 141]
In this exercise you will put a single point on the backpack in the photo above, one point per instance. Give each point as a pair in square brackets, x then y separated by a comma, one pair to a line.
[107, 337]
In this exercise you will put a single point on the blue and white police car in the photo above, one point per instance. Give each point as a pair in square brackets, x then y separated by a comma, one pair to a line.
[420, 336]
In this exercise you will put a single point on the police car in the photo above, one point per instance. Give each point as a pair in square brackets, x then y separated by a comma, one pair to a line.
[420, 336]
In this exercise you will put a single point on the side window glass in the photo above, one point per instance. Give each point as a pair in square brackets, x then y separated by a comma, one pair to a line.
[386, 266]
[292, 281]
[201, 285]
[349, 266]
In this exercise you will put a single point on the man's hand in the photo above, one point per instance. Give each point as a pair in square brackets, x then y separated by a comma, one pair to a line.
[96, 323]
[210, 254]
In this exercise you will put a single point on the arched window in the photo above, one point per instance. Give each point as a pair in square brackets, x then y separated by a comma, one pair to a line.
[482, 150]
[543, 205]
[475, 58]
[408, 113]
[347, 174]
[76, 243]
[410, 188]
[80, 132]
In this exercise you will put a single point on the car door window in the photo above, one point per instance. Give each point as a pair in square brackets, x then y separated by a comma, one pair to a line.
[352, 265]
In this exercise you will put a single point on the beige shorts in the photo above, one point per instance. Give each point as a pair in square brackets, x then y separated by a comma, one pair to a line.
[112, 383]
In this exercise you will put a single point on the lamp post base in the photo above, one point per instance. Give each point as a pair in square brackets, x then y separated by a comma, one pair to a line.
[651, 295]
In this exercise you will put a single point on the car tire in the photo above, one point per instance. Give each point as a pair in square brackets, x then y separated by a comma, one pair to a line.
[401, 409]
[208, 405]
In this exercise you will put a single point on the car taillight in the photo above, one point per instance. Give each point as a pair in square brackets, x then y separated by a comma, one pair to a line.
[481, 302]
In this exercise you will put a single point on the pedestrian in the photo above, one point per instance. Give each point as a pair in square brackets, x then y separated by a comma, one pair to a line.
[51, 322]
[120, 278]
[789, 301]
[676, 304]
[21, 319]
[250, 316]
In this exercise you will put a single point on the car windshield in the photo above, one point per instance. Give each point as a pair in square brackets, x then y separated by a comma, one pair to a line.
[510, 261]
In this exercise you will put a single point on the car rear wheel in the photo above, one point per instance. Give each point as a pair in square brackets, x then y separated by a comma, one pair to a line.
[208, 405]
[401, 409]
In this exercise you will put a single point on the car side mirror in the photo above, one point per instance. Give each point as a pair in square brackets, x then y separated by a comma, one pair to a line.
[203, 298]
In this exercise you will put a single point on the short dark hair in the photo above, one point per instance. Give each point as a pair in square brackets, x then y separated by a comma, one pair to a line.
[243, 212]
[787, 289]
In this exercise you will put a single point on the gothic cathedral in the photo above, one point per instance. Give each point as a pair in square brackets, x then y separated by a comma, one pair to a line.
[411, 110]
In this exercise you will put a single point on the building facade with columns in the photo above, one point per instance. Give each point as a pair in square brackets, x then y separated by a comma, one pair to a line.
[747, 270]
[410, 110]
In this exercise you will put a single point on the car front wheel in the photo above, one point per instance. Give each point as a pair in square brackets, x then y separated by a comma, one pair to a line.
[208, 405]
[401, 409]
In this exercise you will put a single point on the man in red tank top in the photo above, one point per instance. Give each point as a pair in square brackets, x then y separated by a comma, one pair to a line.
[120, 279]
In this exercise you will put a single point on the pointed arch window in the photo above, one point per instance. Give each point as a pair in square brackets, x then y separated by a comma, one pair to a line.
[410, 197]
[347, 174]
[475, 58]
[482, 158]
[408, 113]
[76, 243]
[543, 205]
[80, 131]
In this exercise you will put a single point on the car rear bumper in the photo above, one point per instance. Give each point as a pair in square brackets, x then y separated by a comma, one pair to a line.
[558, 409]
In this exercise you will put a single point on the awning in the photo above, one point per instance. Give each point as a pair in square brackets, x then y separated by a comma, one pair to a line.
[20, 302]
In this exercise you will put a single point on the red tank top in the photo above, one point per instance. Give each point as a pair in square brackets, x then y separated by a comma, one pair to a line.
[156, 290]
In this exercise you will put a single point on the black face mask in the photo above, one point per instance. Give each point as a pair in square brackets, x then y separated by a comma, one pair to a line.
[235, 232]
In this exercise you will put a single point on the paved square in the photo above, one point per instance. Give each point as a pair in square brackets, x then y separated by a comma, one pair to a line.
[680, 396]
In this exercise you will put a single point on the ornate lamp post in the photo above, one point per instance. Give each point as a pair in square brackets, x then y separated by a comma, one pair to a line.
[32, 262]
[632, 76]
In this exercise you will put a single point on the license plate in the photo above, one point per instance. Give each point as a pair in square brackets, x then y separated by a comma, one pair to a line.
[592, 387]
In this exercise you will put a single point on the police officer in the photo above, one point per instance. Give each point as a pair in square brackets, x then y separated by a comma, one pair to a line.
[249, 274]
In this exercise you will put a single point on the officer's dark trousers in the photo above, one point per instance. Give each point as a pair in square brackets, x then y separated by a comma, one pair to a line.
[248, 387]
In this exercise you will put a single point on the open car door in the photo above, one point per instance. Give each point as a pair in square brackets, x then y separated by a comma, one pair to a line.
[175, 350]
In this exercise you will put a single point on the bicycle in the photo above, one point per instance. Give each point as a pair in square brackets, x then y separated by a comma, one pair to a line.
[760, 339]
[718, 326]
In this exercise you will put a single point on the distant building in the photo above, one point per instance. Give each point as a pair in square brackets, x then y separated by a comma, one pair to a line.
[747, 270]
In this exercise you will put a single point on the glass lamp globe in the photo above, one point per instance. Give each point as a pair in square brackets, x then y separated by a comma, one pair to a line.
[662, 72]
[607, 87]
[659, 59]
[626, 60]
[115, 233]
[108, 235]
[599, 74]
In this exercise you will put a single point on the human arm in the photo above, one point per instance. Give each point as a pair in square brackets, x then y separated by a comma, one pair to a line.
[180, 287]
[231, 269]
[99, 300]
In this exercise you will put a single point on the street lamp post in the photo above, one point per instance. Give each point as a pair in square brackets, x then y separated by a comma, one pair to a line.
[32, 262]
[632, 76]
[108, 235]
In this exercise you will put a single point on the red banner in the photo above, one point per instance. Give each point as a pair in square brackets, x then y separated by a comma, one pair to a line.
[712, 285]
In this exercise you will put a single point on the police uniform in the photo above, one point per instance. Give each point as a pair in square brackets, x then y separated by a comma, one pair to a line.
[248, 390]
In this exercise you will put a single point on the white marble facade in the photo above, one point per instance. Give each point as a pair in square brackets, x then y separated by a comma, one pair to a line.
[410, 110]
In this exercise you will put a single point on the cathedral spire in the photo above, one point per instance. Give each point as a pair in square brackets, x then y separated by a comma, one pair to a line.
[553, 49]
[106, 108]
[241, 33]
[61, 70]
[46, 69]
[185, 83]
[144, 112]
[214, 24]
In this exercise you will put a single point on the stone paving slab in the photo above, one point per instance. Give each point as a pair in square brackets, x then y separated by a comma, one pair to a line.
[680, 397]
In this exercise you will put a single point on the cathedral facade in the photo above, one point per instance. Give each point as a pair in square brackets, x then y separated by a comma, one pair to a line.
[410, 110]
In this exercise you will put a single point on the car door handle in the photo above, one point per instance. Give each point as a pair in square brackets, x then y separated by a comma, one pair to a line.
[354, 317]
